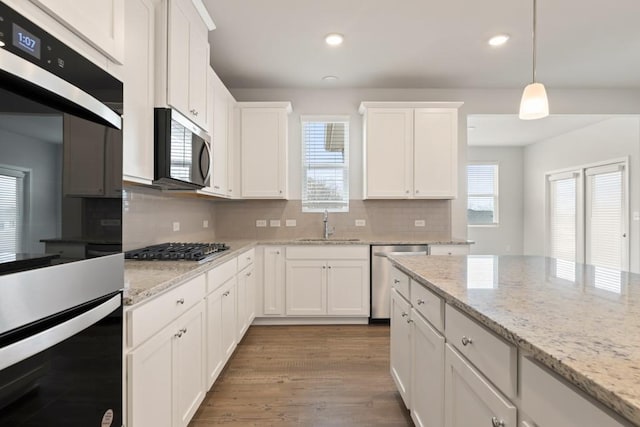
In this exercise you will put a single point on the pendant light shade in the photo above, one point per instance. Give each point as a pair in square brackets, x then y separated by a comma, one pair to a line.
[534, 103]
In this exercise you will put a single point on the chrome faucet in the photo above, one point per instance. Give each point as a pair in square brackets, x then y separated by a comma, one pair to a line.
[325, 220]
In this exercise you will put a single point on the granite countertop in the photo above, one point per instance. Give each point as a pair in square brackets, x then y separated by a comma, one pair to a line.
[580, 321]
[365, 241]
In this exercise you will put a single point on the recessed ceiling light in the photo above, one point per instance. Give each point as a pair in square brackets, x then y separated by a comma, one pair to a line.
[334, 39]
[499, 39]
[330, 78]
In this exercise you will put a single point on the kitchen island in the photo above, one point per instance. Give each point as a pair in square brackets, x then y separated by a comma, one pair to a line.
[580, 322]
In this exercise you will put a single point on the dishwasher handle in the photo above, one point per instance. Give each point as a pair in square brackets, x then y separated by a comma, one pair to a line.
[386, 254]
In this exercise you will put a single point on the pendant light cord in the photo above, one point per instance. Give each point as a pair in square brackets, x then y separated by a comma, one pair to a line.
[534, 41]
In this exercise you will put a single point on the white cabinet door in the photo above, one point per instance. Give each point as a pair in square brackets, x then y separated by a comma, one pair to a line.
[215, 350]
[389, 153]
[99, 22]
[401, 345]
[198, 66]
[178, 57]
[246, 300]
[306, 288]
[427, 373]
[273, 277]
[264, 153]
[219, 131]
[233, 150]
[470, 399]
[137, 132]
[150, 381]
[347, 287]
[241, 304]
[435, 153]
[229, 320]
[189, 364]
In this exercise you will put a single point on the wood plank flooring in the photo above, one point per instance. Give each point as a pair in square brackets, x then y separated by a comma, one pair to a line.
[307, 376]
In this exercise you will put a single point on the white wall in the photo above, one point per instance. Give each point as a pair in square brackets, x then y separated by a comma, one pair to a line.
[502, 101]
[610, 139]
[507, 236]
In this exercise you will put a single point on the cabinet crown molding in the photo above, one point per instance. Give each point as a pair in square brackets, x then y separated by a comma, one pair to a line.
[271, 104]
[407, 104]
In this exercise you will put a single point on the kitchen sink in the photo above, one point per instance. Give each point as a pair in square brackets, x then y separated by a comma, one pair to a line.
[320, 239]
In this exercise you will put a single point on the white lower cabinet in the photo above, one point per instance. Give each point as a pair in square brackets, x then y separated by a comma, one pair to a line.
[400, 357]
[470, 399]
[166, 373]
[221, 328]
[306, 284]
[273, 281]
[246, 300]
[427, 373]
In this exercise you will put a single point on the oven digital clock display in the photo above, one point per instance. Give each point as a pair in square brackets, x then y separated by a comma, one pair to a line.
[25, 41]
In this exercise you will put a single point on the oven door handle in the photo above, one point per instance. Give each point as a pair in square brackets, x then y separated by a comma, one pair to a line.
[40, 77]
[41, 341]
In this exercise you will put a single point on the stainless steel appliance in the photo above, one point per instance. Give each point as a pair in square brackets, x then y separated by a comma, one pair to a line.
[182, 153]
[201, 252]
[380, 276]
[60, 181]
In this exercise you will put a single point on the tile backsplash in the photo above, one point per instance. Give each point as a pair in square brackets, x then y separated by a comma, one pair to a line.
[149, 216]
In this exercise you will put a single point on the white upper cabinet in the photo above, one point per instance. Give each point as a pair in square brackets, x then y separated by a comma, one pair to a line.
[99, 22]
[182, 60]
[411, 150]
[264, 144]
[139, 73]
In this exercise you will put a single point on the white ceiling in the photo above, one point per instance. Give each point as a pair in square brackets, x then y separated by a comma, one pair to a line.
[425, 43]
[509, 130]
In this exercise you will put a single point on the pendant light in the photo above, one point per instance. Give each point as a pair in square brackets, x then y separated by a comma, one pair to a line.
[534, 103]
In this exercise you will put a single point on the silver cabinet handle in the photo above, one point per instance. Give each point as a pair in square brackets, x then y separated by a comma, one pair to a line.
[407, 192]
[417, 191]
[180, 301]
[466, 340]
[248, 274]
[249, 258]
[217, 187]
[404, 314]
[420, 301]
[183, 330]
[324, 266]
[449, 253]
[495, 422]
[329, 267]
[277, 252]
[409, 320]
[396, 281]
[226, 294]
[178, 334]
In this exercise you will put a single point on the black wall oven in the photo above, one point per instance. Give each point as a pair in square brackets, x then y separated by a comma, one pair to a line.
[61, 261]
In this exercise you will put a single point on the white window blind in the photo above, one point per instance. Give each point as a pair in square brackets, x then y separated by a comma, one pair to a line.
[482, 199]
[11, 210]
[605, 216]
[325, 164]
[562, 216]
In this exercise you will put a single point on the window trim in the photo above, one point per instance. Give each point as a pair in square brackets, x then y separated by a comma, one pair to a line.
[346, 169]
[26, 175]
[495, 195]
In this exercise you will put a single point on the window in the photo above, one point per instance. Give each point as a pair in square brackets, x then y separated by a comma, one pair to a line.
[325, 164]
[482, 201]
[11, 210]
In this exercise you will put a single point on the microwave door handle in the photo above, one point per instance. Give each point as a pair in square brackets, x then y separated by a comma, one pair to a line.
[205, 175]
[21, 350]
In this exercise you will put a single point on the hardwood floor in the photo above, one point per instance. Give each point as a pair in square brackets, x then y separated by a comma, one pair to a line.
[307, 376]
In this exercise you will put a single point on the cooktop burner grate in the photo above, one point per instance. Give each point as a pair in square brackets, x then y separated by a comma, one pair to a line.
[201, 252]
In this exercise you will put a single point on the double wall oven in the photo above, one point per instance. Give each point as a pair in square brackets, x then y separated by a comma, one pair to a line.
[60, 187]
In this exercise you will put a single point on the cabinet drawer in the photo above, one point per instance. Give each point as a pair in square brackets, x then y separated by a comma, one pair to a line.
[146, 320]
[496, 358]
[448, 249]
[428, 304]
[220, 274]
[551, 402]
[400, 282]
[329, 251]
[246, 259]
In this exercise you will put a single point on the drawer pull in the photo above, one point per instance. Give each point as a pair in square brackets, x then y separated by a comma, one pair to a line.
[466, 340]
[409, 320]
[178, 334]
[495, 422]
[248, 274]
[404, 314]
[420, 301]
[226, 294]
[249, 258]
[396, 281]
[183, 330]
[180, 301]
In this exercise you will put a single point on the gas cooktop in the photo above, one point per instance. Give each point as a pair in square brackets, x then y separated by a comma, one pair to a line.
[201, 252]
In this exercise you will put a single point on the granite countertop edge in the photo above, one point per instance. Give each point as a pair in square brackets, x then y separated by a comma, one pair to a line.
[608, 398]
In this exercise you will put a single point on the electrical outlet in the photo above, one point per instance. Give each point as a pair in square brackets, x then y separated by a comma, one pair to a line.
[419, 223]
[176, 226]
[291, 223]
[261, 223]
[205, 224]
[361, 222]
[274, 223]
[636, 216]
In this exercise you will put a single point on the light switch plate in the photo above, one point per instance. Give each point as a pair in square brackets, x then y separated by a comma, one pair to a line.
[419, 223]
[176, 226]
[274, 223]
[361, 222]
[291, 223]
[261, 223]
[205, 224]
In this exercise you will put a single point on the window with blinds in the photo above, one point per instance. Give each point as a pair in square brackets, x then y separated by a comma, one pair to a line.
[563, 215]
[11, 210]
[325, 164]
[482, 199]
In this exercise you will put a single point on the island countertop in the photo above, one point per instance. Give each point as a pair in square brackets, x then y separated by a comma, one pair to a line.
[581, 322]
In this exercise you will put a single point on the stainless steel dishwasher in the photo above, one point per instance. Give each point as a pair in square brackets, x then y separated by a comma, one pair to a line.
[380, 276]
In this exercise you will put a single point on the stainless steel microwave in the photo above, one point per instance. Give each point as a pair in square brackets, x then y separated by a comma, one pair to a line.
[182, 152]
